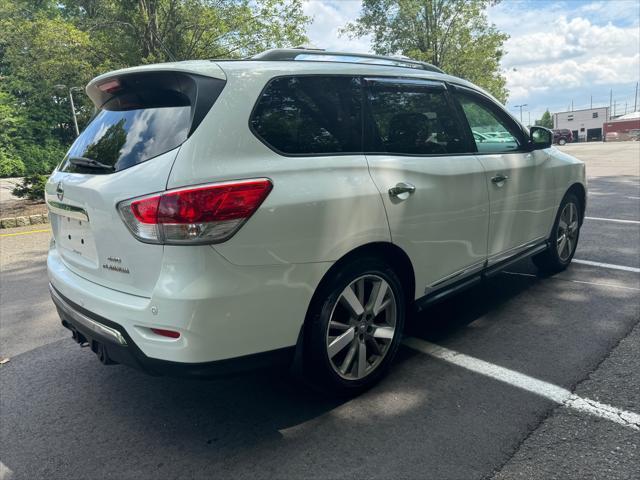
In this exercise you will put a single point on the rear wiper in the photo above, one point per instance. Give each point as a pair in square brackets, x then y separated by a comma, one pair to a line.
[90, 163]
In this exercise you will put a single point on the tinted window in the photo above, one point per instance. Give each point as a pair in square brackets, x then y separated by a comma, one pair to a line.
[491, 133]
[310, 115]
[130, 129]
[412, 119]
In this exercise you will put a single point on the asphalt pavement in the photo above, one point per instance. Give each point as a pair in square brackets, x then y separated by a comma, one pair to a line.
[65, 415]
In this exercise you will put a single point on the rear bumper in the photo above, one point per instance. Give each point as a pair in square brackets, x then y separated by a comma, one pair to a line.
[112, 344]
[222, 311]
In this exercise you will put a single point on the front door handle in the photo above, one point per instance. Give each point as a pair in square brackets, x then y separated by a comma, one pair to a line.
[402, 190]
[499, 178]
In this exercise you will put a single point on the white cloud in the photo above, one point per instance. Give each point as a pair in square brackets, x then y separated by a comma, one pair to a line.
[569, 51]
[558, 51]
[328, 18]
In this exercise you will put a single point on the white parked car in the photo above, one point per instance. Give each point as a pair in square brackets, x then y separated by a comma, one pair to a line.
[292, 208]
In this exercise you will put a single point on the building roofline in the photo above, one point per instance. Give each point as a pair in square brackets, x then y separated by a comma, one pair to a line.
[582, 110]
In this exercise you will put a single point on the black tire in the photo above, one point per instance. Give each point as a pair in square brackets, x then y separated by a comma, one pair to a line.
[562, 141]
[318, 368]
[551, 260]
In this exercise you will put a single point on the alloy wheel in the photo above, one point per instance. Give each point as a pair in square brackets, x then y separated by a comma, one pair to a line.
[362, 327]
[567, 231]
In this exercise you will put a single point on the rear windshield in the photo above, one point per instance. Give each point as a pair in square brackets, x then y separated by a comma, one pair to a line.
[124, 133]
[141, 116]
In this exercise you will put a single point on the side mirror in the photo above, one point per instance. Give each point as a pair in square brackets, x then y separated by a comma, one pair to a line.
[540, 138]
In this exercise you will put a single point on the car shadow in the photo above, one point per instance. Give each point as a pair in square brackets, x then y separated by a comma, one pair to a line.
[448, 319]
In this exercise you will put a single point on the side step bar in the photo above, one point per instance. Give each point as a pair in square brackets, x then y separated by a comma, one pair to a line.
[467, 282]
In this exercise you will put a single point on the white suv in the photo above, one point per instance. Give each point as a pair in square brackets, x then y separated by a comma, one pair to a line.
[223, 215]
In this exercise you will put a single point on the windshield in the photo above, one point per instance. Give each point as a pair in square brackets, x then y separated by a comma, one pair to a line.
[125, 133]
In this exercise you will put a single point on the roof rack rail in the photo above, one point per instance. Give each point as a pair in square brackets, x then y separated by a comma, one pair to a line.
[320, 55]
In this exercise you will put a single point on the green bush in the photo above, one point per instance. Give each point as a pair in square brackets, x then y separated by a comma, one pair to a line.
[31, 187]
[40, 159]
[10, 166]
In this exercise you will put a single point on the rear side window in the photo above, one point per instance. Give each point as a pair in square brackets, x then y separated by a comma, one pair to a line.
[143, 118]
[413, 119]
[310, 115]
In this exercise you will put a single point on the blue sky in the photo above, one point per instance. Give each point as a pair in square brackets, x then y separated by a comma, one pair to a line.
[558, 51]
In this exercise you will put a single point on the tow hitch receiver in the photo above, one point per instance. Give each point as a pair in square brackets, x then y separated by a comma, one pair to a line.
[96, 347]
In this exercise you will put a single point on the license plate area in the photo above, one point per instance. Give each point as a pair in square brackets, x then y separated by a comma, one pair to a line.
[76, 240]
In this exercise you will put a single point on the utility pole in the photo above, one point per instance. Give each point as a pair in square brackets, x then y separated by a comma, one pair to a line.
[520, 107]
[591, 102]
[615, 104]
[73, 110]
[635, 105]
[73, 106]
[610, 102]
[572, 105]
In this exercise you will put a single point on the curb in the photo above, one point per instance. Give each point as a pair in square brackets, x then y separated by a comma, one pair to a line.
[12, 222]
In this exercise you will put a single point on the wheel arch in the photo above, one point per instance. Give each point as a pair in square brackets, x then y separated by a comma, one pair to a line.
[389, 252]
[398, 260]
[579, 191]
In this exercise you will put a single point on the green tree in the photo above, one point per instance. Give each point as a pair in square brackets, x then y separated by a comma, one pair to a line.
[10, 124]
[45, 43]
[546, 120]
[38, 50]
[454, 35]
[165, 30]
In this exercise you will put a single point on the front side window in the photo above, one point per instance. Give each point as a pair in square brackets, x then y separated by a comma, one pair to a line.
[412, 119]
[491, 133]
[310, 115]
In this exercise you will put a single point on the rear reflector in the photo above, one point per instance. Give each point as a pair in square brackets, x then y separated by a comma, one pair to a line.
[195, 215]
[166, 333]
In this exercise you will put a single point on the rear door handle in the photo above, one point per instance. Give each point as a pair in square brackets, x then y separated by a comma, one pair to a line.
[400, 189]
[499, 178]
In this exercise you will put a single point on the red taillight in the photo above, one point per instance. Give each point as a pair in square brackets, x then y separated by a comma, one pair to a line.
[146, 210]
[195, 215]
[213, 204]
[166, 333]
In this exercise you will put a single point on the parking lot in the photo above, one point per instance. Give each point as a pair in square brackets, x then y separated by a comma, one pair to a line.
[521, 377]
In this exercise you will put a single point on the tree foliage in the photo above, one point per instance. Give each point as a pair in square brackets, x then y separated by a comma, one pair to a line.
[48, 43]
[546, 120]
[454, 35]
[31, 187]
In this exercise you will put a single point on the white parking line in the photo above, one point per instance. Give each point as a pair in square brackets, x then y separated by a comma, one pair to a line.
[609, 285]
[615, 220]
[544, 389]
[607, 265]
[634, 198]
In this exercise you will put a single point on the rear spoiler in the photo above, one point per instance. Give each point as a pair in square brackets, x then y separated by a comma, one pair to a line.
[204, 68]
[145, 84]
